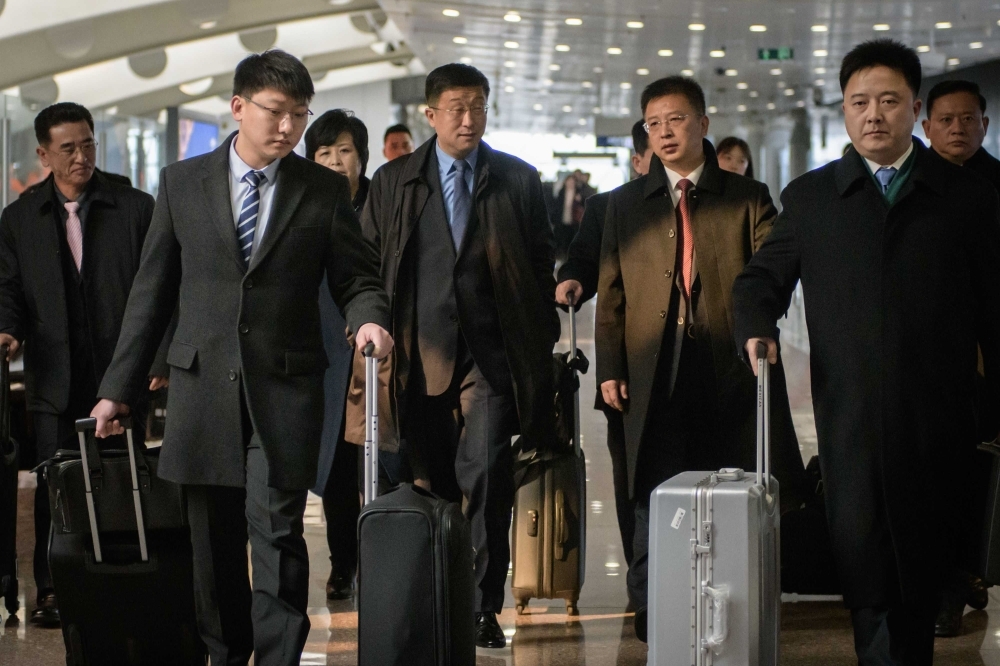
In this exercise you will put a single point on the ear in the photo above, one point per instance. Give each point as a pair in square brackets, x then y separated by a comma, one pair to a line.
[43, 157]
[704, 126]
[986, 124]
[429, 114]
[927, 128]
[917, 104]
[636, 163]
[238, 107]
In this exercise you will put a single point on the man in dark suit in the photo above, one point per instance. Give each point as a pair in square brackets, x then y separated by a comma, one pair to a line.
[69, 250]
[240, 241]
[956, 126]
[467, 256]
[674, 240]
[577, 282]
[898, 252]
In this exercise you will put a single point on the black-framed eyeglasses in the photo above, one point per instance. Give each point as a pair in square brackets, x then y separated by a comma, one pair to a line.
[279, 114]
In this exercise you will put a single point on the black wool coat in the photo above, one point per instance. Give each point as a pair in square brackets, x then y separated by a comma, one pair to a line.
[897, 298]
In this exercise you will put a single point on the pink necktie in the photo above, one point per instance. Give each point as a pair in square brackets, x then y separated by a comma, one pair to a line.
[74, 233]
[687, 236]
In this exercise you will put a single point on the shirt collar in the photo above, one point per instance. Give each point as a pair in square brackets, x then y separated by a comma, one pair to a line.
[239, 168]
[897, 165]
[675, 177]
[445, 161]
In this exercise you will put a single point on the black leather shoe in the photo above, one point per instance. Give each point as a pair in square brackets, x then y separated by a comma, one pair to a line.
[979, 593]
[949, 619]
[340, 585]
[46, 613]
[640, 624]
[488, 631]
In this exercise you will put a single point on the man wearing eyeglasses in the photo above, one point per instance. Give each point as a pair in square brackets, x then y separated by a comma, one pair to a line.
[467, 257]
[240, 241]
[68, 252]
[674, 241]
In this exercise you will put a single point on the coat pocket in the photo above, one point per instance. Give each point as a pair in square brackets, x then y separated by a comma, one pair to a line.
[181, 355]
[305, 362]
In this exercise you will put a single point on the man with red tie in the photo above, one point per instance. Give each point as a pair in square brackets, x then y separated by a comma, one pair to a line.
[674, 241]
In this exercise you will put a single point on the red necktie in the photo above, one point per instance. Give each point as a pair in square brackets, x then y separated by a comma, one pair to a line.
[687, 237]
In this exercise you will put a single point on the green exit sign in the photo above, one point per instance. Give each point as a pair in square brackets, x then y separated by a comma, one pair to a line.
[785, 53]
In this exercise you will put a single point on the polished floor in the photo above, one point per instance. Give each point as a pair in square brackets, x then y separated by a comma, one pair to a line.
[814, 633]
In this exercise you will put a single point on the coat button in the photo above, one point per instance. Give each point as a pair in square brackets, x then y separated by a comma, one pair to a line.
[232, 375]
[397, 253]
[454, 319]
[248, 284]
[244, 328]
[670, 233]
[680, 321]
[663, 314]
[668, 273]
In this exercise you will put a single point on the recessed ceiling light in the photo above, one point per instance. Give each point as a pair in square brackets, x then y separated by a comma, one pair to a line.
[731, 72]
[511, 45]
[943, 25]
[208, 25]
[554, 67]
[789, 92]
[574, 21]
[195, 88]
[821, 53]
[687, 72]
[510, 63]
[512, 17]
[741, 108]
[771, 106]
[758, 28]
[801, 103]
[635, 25]
[598, 70]
[754, 94]
[537, 107]
[664, 53]
[976, 45]
[625, 110]
[713, 109]
[642, 71]
[460, 40]
[776, 72]
[998, 22]
[696, 27]
[923, 49]
[562, 48]
[742, 85]
[548, 82]
[717, 53]
[451, 13]
[340, 3]
[587, 84]
[567, 108]
[582, 121]
[509, 89]
[626, 85]
[614, 50]
[466, 60]
[781, 85]
[819, 83]
[953, 61]
[820, 70]
[819, 28]
[880, 27]
[508, 79]
[596, 109]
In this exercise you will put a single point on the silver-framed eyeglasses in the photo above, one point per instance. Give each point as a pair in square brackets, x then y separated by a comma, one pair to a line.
[477, 111]
[673, 122]
[279, 114]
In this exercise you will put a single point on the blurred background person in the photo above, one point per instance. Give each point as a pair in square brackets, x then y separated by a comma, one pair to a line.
[397, 141]
[734, 156]
[339, 140]
[572, 197]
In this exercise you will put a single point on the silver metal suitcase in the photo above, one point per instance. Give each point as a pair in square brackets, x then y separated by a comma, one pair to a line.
[714, 570]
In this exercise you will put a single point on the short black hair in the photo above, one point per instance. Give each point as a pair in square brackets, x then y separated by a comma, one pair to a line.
[675, 85]
[640, 138]
[454, 75]
[398, 128]
[273, 69]
[951, 87]
[60, 114]
[887, 53]
[731, 142]
[328, 127]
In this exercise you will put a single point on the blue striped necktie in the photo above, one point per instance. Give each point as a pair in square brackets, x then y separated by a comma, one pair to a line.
[248, 214]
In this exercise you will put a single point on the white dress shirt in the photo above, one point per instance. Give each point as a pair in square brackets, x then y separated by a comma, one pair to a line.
[674, 178]
[238, 189]
[898, 164]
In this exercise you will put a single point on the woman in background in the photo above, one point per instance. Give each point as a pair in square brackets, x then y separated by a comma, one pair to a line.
[734, 156]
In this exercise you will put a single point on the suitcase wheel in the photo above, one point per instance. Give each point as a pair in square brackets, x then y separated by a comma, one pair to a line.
[520, 608]
[571, 608]
[9, 593]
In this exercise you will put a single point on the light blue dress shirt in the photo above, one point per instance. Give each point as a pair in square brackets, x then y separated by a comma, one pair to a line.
[446, 164]
[238, 189]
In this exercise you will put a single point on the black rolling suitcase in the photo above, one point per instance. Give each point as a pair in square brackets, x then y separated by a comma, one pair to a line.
[120, 556]
[8, 493]
[416, 586]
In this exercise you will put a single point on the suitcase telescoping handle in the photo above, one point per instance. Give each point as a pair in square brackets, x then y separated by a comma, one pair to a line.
[371, 423]
[763, 418]
[8, 453]
[576, 394]
[83, 427]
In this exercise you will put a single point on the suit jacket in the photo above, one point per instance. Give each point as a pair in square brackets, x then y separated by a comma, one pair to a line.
[32, 290]
[510, 209]
[244, 335]
[731, 216]
[897, 299]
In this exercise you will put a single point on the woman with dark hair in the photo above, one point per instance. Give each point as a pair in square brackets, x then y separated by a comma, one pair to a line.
[339, 140]
[734, 156]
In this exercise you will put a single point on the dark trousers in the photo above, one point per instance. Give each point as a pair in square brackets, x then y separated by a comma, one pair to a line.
[271, 621]
[460, 440]
[624, 504]
[897, 636]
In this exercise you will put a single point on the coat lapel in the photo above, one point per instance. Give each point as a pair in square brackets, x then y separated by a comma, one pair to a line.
[417, 187]
[215, 186]
[290, 187]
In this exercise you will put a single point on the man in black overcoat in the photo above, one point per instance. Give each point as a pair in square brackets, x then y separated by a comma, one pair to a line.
[898, 252]
[69, 250]
[240, 241]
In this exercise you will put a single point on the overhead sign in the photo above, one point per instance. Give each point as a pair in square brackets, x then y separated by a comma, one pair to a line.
[783, 53]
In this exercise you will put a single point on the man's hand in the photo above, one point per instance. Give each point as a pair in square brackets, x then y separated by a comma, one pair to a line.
[377, 335]
[772, 351]
[157, 383]
[11, 341]
[105, 413]
[568, 289]
[615, 393]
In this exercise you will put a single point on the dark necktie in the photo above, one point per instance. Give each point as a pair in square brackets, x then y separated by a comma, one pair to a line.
[462, 204]
[884, 177]
[248, 214]
[687, 237]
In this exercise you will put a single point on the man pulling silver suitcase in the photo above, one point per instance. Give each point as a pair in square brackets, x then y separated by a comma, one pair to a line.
[714, 575]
